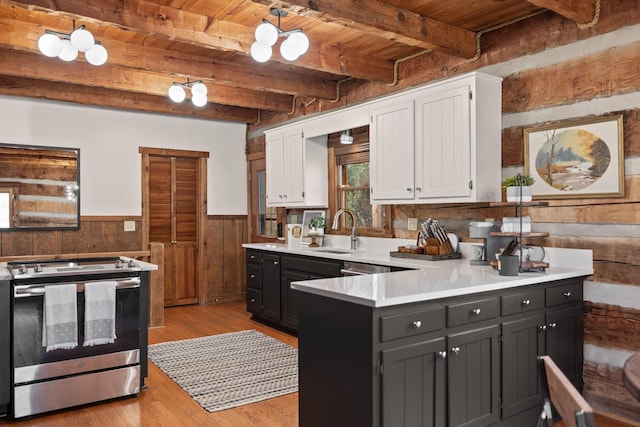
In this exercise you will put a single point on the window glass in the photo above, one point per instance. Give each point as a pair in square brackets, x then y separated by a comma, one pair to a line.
[354, 193]
[267, 221]
[5, 211]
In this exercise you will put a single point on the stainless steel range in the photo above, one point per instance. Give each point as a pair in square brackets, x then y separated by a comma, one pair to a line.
[48, 377]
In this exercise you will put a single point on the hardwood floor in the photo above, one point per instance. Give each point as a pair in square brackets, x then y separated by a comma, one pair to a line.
[164, 403]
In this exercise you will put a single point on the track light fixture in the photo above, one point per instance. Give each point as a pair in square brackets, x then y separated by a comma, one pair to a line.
[66, 46]
[267, 34]
[198, 92]
[346, 137]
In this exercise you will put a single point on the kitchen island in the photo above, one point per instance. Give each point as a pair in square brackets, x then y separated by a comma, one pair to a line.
[445, 345]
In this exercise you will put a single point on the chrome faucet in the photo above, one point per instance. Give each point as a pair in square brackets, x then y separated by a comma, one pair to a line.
[335, 226]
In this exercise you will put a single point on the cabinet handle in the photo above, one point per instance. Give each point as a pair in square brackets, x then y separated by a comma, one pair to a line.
[475, 311]
[418, 188]
[542, 327]
[417, 324]
[526, 302]
[275, 262]
[409, 189]
[567, 294]
[552, 325]
[253, 300]
[455, 350]
[253, 276]
[442, 354]
[252, 256]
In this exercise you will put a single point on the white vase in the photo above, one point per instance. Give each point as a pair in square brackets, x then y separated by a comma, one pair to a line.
[513, 194]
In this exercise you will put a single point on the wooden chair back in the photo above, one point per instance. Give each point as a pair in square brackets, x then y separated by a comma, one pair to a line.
[560, 392]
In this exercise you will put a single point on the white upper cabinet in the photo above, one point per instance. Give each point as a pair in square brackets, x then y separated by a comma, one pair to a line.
[297, 169]
[391, 151]
[438, 144]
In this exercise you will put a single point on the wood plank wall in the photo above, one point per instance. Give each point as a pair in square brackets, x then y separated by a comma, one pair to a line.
[553, 70]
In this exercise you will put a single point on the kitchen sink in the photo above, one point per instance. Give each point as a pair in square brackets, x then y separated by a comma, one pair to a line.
[334, 251]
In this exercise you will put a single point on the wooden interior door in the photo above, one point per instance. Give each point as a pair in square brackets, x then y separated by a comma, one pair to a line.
[173, 211]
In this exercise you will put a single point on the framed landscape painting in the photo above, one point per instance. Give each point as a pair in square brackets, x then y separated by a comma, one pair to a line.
[576, 159]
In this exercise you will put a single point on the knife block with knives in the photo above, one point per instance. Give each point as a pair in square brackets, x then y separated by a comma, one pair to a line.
[433, 241]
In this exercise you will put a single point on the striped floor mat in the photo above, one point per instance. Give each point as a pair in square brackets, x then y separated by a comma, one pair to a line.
[229, 370]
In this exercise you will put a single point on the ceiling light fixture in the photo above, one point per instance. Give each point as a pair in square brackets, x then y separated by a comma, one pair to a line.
[267, 34]
[346, 137]
[66, 46]
[198, 92]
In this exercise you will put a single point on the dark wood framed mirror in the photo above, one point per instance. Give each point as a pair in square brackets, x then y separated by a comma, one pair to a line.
[39, 187]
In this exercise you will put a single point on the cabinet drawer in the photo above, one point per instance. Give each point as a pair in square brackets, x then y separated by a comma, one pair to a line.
[473, 311]
[254, 256]
[254, 276]
[413, 323]
[522, 302]
[321, 268]
[563, 294]
[254, 301]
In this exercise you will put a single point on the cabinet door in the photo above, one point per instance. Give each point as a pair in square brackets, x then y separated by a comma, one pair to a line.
[522, 342]
[473, 377]
[289, 301]
[391, 152]
[274, 154]
[293, 168]
[271, 286]
[443, 144]
[564, 341]
[413, 385]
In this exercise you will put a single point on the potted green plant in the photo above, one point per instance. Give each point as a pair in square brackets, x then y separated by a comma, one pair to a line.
[317, 224]
[518, 188]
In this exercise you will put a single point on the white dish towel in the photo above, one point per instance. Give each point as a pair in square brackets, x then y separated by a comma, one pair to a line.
[60, 317]
[99, 313]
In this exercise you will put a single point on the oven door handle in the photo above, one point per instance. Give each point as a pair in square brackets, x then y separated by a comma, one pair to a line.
[22, 291]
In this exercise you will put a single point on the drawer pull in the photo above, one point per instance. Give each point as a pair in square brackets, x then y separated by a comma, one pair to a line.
[475, 311]
[455, 350]
[542, 327]
[275, 263]
[567, 294]
[552, 325]
[417, 324]
[253, 276]
[442, 354]
[526, 302]
[253, 300]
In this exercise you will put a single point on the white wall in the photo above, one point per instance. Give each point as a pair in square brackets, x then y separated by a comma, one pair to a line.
[109, 141]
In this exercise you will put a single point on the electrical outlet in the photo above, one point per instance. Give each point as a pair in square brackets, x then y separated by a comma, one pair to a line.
[129, 226]
[412, 224]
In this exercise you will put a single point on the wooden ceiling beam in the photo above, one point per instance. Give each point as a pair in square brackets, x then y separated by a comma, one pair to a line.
[389, 22]
[24, 36]
[580, 11]
[18, 63]
[191, 28]
[124, 100]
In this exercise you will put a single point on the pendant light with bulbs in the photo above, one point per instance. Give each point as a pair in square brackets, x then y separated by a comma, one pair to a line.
[66, 46]
[198, 92]
[295, 44]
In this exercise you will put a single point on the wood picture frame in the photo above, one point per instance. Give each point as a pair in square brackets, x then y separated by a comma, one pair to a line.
[576, 158]
[307, 216]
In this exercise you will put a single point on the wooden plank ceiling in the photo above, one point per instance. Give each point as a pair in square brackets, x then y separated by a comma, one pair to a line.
[152, 44]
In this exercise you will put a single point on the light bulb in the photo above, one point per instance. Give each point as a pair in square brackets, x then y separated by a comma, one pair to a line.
[260, 52]
[299, 42]
[50, 45]
[266, 34]
[176, 93]
[198, 99]
[288, 52]
[199, 88]
[82, 39]
[97, 55]
[69, 53]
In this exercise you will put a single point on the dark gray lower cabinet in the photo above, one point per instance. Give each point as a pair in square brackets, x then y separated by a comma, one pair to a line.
[271, 287]
[414, 384]
[462, 361]
[473, 377]
[5, 348]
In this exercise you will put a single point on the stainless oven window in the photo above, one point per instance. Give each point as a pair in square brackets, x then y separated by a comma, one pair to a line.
[27, 327]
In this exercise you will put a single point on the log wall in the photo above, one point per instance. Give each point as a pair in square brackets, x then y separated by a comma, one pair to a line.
[554, 71]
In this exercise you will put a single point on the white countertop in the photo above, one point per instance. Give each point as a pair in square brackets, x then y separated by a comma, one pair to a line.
[431, 279]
